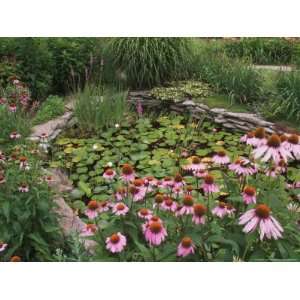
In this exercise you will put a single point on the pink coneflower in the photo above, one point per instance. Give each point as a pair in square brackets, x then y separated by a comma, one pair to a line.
[2, 101]
[273, 149]
[23, 188]
[208, 185]
[199, 214]
[138, 193]
[281, 167]
[187, 207]
[120, 209]
[109, 174]
[89, 230]
[116, 243]
[139, 108]
[201, 173]
[158, 200]
[127, 173]
[169, 205]
[220, 210]
[249, 195]
[167, 182]
[150, 181]
[261, 216]
[44, 137]
[178, 181]
[186, 247]
[92, 209]
[195, 164]
[230, 209]
[2, 246]
[155, 233]
[12, 107]
[24, 163]
[2, 158]
[243, 166]
[49, 179]
[271, 172]
[221, 158]
[120, 194]
[145, 213]
[247, 138]
[104, 206]
[15, 135]
[259, 138]
[189, 189]
[2, 179]
[292, 144]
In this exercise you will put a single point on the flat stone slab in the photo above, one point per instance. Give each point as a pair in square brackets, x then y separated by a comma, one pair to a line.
[273, 68]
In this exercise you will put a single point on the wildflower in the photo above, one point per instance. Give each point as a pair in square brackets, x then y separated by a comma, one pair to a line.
[249, 195]
[127, 173]
[3, 246]
[259, 138]
[221, 158]
[2, 101]
[167, 182]
[116, 242]
[185, 247]
[92, 210]
[12, 107]
[15, 258]
[168, 204]
[271, 172]
[261, 217]
[104, 206]
[199, 213]
[24, 163]
[15, 135]
[139, 108]
[109, 174]
[293, 207]
[230, 209]
[220, 210]
[49, 179]
[2, 158]
[89, 230]
[44, 137]
[209, 186]
[200, 173]
[292, 144]
[159, 198]
[247, 138]
[243, 166]
[187, 208]
[120, 194]
[272, 149]
[138, 193]
[195, 164]
[178, 181]
[155, 233]
[120, 209]
[23, 188]
[145, 213]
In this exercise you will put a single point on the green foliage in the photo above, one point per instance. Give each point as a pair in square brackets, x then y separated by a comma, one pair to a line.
[52, 107]
[96, 109]
[261, 51]
[150, 61]
[235, 78]
[180, 90]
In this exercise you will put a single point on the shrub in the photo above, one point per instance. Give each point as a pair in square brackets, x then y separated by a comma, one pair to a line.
[52, 107]
[233, 77]
[150, 61]
[96, 109]
[261, 50]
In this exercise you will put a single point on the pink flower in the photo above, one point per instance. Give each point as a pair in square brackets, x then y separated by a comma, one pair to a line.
[14, 135]
[12, 107]
[116, 243]
[155, 233]
[109, 174]
[247, 138]
[2, 158]
[24, 188]
[167, 182]
[209, 186]
[195, 164]
[249, 195]
[220, 210]
[89, 230]
[187, 207]
[261, 217]
[49, 179]
[138, 193]
[120, 194]
[2, 101]
[273, 149]
[127, 173]
[185, 247]
[2, 246]
[221, 158]
[104, 206]
[120, 209]
[2, 179]
[200, 173]
[243, 166]
[145, 213]
[178, 181]
[292, 144]
[92, 209]
[271, 172]
[169, 205]
[259, 138]
[199, 214]
[44, 137]
[24, 163]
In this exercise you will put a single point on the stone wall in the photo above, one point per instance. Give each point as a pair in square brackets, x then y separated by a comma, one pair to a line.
[232, 120]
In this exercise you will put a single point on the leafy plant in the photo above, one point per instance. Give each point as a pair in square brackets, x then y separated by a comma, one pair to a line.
[150, 61]
[52, 107]
[96, 109]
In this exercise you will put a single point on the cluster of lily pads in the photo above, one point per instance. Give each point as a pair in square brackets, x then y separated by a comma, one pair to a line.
[167, 190]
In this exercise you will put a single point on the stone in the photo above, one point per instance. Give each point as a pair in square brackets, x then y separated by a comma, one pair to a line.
[188, 103]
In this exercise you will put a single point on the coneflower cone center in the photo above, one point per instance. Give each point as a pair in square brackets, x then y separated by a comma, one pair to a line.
[188, 200]
[144, 211]
[159, 198]
[199, 210]
[274, 141]
[262, 211]
[93, 204]
[109, 172]
[259, 133]
[114, 238]
[208, 179]
[169, 202]
[91, 227]
[138, 182]
[196, 160]
[120, 206]
[222, 204]
[293, 139]
[221, 153]
[186, 242]
[127, 169]
[249, 190]
[155, 227]
[178, 178]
